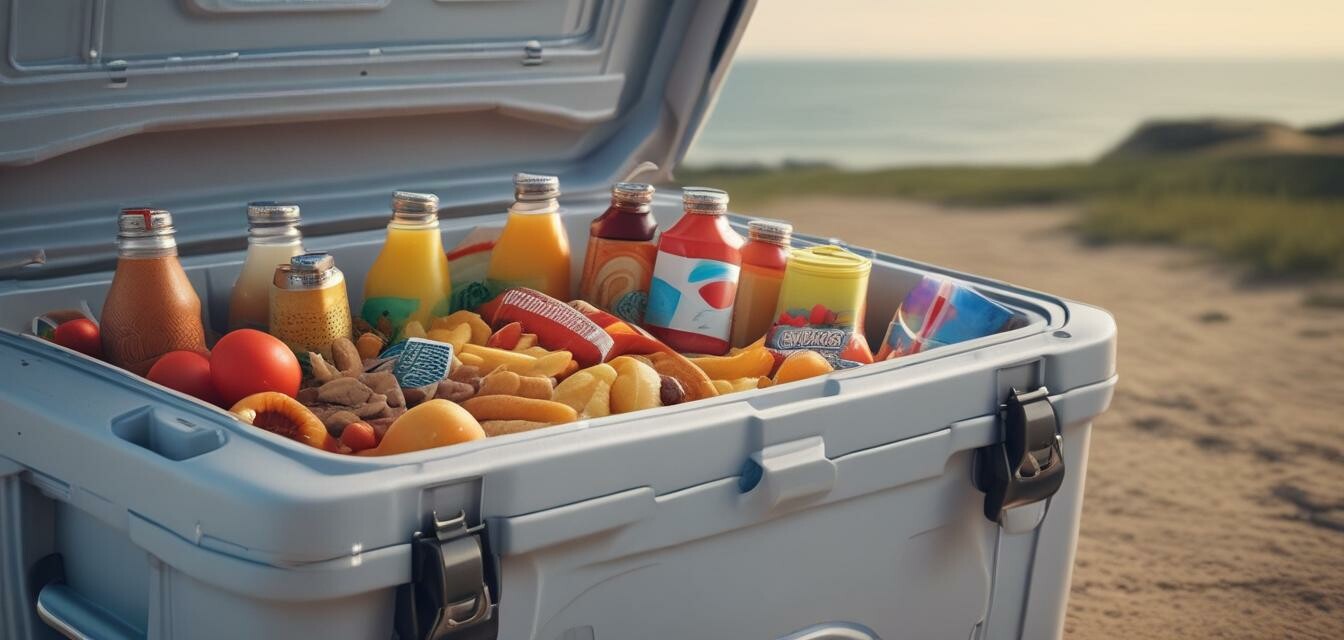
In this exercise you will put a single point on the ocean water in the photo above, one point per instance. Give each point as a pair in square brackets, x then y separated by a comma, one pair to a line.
[866, 113]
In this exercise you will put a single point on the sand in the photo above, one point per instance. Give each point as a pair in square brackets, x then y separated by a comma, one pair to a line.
[1214, 501]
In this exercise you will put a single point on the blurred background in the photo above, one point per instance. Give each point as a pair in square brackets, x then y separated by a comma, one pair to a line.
[1180, 164]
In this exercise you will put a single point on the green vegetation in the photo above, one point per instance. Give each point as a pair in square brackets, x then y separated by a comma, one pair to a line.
[1279, 215]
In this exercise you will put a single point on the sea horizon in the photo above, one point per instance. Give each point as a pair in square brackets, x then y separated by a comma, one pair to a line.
[867, 112]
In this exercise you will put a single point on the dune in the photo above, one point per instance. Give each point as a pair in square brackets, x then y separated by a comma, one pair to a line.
[1225, 137]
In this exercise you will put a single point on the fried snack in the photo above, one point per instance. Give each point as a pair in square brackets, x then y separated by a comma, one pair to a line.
[516, 408]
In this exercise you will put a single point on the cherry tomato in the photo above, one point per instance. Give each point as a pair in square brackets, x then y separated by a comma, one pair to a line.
[80, 334]
[248, 361]
[185, 371]
[359, 436]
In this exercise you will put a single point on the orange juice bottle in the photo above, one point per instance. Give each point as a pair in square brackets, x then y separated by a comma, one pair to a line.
[764, 257]
[409, 278]
[533, 250]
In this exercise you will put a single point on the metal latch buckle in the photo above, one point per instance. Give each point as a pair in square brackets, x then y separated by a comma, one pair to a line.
[448, 591]
[1027, 466]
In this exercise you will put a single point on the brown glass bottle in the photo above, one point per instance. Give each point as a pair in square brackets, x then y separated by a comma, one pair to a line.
[619, 262]
[151, 308]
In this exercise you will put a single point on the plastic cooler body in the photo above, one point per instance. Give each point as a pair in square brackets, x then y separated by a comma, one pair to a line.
[845, 506]
[846, 500]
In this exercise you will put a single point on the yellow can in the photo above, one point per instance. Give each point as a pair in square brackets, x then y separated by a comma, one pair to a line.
[309, 305]
[821, 305]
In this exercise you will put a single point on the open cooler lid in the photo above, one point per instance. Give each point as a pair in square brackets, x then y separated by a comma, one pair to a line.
[200, 106]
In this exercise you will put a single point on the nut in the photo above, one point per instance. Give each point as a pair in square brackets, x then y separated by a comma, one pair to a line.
[670, 391]
[307, 396]
[454, 391]
[346, 358]
[322, 370]
[345, 391]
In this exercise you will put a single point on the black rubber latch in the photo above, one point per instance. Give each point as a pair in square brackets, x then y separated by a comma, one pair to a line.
[1028, 464]
[448, 592]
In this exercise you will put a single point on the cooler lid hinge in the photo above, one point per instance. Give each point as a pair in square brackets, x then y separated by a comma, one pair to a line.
[448, 591]
[1027, 465]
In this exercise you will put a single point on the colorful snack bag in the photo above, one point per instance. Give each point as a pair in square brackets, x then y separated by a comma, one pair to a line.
[938, 312]
[558, 326]
[468, 264]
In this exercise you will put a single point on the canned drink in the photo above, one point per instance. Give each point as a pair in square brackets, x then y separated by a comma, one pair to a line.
[939, 312]
[821, 304]
[309, 305]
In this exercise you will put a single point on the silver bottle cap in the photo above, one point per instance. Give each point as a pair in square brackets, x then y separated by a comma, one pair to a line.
[419, 207]
[144, 222]
[704, 200]
[268, 213]
[306, 271]
[772, 231]
[530, 187]
[632, 192]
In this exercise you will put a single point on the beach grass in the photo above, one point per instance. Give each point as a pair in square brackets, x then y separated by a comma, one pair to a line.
[1278, 215]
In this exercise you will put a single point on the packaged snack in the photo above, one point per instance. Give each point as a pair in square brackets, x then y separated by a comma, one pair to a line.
[557, 325]
[469, 265]
[939, 311]
[821, 305]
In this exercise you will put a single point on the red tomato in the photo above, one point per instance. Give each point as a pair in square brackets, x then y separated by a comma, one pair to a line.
[80, 334]
[359, 436]
[185, 371]
[248, 361]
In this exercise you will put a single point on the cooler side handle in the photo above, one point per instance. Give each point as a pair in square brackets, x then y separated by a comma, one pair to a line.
[74, 616]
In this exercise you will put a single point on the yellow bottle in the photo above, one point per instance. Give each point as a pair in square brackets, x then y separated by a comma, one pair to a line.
[533, 250]
[409, 278]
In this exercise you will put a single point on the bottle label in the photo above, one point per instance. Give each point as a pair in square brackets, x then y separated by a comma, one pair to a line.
[694, 295]
[616, 275]
[388, 314]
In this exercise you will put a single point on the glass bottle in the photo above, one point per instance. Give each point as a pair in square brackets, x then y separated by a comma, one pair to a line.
[533, 249]
[409, 279]
[695, 276]
[151, 307]
[619, 261]
[764, 258]
[272, 239]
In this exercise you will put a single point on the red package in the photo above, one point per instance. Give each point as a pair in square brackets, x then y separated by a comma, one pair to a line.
[557, 325]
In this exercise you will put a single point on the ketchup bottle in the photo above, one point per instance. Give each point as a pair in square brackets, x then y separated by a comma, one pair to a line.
[695, 276]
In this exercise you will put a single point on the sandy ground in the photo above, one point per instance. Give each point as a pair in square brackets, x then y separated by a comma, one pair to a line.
[1214, 502]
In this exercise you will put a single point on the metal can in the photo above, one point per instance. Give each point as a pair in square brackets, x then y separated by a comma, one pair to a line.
[821, 305]
[309, 305]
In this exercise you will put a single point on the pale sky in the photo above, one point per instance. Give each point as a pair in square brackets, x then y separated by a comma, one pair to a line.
[1045, 28]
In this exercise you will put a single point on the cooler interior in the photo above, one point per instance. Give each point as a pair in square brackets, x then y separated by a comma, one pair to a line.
[213, 275]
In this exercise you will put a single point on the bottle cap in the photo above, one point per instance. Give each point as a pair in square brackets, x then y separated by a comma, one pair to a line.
[632, 192]
[267, 212]
[704, 200]
[419, 207]
[530, 187]
[772, 231]
[144, 222]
